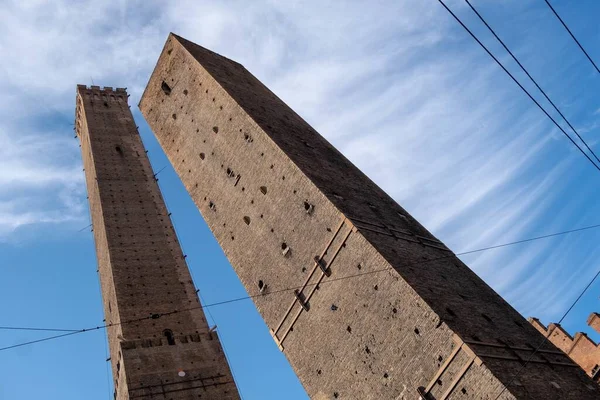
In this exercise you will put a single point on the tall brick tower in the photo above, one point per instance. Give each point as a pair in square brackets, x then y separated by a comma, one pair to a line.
[160, 344]
[380, 309]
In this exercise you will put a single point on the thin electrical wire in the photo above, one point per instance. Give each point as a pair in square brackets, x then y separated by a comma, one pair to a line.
[215, 304]
[597, 273]
[41, 340]
[532, 80]
[159, 171]
[530, 239]
[519, 84]
[17, 328]
[573, 36]
[85, 227]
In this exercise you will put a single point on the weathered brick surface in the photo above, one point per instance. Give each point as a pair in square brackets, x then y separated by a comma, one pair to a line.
[394, 301]
[580, 348]
[142, 269]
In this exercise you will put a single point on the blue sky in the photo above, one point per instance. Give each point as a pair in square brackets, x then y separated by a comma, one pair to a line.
[397, 86]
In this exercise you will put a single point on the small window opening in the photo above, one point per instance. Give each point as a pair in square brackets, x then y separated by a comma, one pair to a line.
[417, 331]
[212, 206]
[463, 391]
[450, 312]
[247, 220]
[488, 319]
[261, 286]
[263, 189]
[169, 335]
[215, 129]
[174, 116]
[248, 138]
[165, 87]
[309, 208]
[230, 173]
[185, 92]
[119, 150]
[202, 156]
[105, 104]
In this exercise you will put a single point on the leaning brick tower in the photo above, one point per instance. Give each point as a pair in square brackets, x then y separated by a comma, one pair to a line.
[380, 309]
[160, 344]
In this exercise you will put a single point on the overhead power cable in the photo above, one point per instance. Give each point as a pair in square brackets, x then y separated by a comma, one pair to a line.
[14, 328]
[205, 306]
[573, 36]
[585, 289]
[519, 84]
[43, 339]
[532, 80]
[85, 227]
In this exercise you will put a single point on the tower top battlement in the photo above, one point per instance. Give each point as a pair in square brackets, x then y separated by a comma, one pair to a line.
[107, 89]
[579, 347]
[141, 266]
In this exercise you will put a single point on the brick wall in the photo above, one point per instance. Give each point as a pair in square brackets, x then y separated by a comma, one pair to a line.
[141, 267]
[381, 307]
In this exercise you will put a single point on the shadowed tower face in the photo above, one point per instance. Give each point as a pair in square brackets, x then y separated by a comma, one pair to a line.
[160, 344]
[382, 309]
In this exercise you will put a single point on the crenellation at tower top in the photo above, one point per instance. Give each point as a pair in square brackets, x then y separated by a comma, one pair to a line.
[580, 347]
[160, 343]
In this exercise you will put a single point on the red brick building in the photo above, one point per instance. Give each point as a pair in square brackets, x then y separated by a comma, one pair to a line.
[583, 350]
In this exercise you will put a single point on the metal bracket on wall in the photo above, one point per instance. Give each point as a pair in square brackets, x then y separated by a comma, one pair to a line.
[318, 272]
[514, 355]
[471, 359]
